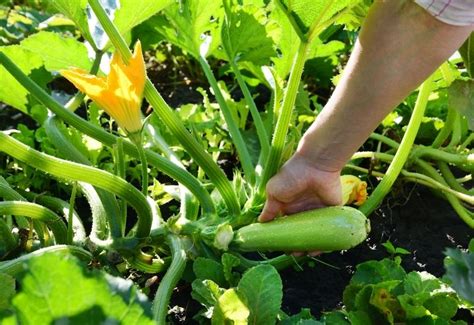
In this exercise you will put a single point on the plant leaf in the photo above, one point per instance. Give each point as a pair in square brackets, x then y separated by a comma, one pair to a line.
[11, 91]
[7, 290]
[460, 271]
[205, 268]
[74, 10]
[308, 15]
[187, 22]
[373, 272]
[245, 35]
[461, 98]
[230, 307]
[263, 289]
[206, 292]
[56, 287]
[57, 52]
[467, 54]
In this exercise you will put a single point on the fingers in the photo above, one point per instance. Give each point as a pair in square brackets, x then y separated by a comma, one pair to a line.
[271, 209]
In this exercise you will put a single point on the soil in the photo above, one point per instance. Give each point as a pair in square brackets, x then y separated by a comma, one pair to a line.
[414, 219]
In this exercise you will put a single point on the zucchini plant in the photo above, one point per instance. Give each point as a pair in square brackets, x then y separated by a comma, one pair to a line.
[216, 217]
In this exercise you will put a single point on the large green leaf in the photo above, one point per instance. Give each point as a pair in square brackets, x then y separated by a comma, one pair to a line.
[262, 288]
[132, 12]
[129, 13]
[307, 16]
[188, 22]
[7, 290]
[57, 52]
[467, 54]
[245, 34]
[11, 92]
[57, 288]
[74, 10]
[461, 98]
[460, 271]
[230, 309]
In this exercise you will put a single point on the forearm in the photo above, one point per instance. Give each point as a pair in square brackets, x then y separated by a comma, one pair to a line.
[399, 46]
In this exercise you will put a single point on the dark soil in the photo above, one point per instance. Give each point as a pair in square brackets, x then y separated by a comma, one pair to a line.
[416, 220]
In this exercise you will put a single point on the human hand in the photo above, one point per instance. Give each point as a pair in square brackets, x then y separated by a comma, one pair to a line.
[300, 186]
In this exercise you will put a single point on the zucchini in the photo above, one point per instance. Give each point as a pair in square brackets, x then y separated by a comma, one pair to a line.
[326, 229]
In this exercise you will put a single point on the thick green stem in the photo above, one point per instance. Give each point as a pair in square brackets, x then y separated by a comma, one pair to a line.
[463, 213]
[70, 217]
[37, 212]
[77, 172]
[170, 119]
[106, 208]
[169, 281]
[61, 208]
[180, 175]
[441, 155]
[234, 131]
[389, 142]
[403, 150]
[272, 164]
[119, 161]
[261, 131]
[137, 139]
[17, 266]
[450, 178]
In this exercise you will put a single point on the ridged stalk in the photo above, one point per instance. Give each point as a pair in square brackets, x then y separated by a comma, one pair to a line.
[272, 164]
[242, 151]
[164, 165]
[466, 215]
[167, 115]
[169, 281]
[261, 131]
[61, 208]
[106, 210]
[37, 212]
[77, 172]
[403, 151]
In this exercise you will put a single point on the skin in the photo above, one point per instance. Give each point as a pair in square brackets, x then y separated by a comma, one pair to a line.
[399, 46]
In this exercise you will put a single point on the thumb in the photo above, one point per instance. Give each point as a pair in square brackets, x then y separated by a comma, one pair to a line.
[271, 209]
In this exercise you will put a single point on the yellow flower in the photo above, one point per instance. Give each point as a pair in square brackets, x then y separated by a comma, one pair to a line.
[119, 94]
[354, 191]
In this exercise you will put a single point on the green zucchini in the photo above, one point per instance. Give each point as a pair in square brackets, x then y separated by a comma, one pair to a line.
[326, 229]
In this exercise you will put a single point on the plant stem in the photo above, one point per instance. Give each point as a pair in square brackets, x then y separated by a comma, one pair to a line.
[169, 281]
[403, 151]
[70, 217]
[164, 165]
[261, 131]
[119, 162]
[441, 155]
[389, 142]
[137, 139]
[77, 172]
[272, 164]
[104, 204]
[234, 131]
[450, 179]
[37, 212]
[463, 213]
[170, 119]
